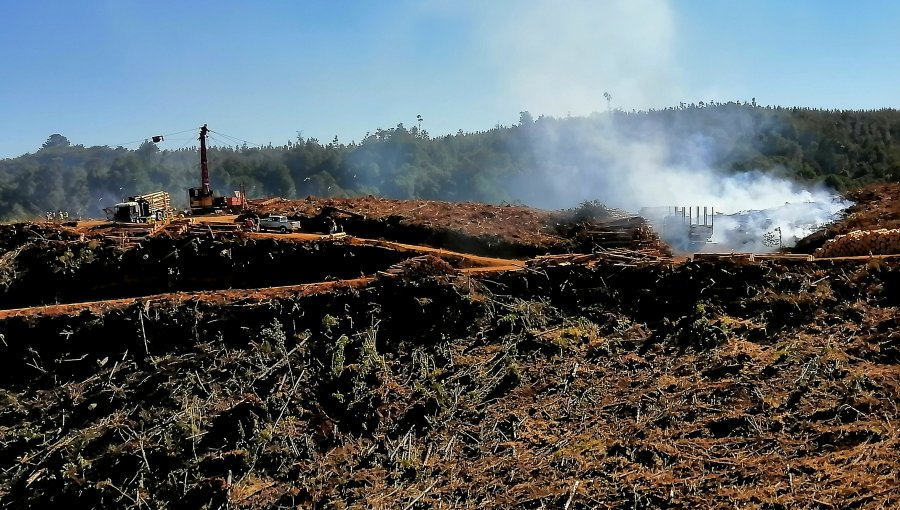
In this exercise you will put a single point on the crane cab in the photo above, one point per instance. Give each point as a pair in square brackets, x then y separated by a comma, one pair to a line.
[201, 200]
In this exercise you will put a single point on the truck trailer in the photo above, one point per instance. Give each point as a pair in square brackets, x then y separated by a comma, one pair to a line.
[147, 208]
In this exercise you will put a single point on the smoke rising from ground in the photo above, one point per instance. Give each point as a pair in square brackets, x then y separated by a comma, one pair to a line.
[633, 162]
[564, 58]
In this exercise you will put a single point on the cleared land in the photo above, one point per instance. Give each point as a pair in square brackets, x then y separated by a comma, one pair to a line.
[202, 366]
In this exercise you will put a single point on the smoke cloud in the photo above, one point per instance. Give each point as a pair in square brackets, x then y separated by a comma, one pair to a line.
[632, 162]
[573, 58]
[560, 57]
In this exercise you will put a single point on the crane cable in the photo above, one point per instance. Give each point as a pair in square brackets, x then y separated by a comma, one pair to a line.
[145, 139]
[228, 138]
[236, 139]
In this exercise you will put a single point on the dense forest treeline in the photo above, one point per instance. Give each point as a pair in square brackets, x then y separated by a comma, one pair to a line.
[841, 149]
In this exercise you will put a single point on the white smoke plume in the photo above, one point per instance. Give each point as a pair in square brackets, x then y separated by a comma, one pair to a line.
[583, 159]
[560, 57]
[576, 57]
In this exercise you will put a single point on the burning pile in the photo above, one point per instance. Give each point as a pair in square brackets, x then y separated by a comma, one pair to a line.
[862, 242]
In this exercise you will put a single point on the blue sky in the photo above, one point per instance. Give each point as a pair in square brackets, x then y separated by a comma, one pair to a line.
[114, 72]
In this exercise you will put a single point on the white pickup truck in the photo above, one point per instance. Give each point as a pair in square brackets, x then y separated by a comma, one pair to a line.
[279, 223]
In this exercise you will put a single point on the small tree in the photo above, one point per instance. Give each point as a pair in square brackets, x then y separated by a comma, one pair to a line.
[56, 140]
[525, 118]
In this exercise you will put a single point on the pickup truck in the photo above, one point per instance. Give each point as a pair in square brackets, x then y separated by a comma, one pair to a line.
[279, 223]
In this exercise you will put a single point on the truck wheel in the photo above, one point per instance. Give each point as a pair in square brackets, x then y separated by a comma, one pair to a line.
[284, 230]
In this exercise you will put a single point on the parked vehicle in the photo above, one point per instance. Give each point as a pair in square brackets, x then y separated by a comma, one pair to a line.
[280, 223]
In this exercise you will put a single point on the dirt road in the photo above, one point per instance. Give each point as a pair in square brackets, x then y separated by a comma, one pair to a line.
[220, 296]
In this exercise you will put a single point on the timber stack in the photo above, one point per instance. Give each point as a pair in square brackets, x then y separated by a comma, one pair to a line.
[862, 242]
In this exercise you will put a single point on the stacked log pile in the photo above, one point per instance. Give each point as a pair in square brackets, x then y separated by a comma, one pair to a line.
[627, 232]
[753, 257]
[130, 234]
[617, 256]
[423, 265]
[622, 232]
[862, 242]
[176, 227]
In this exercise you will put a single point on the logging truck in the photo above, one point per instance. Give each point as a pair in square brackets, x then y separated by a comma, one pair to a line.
[147, 208]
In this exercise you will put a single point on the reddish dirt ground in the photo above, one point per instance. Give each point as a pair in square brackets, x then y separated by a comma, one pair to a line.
[876, 206]
[176, 298]
[524, 224]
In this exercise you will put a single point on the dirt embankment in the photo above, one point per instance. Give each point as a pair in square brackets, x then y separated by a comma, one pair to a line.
[41, 271]
[876, 206]
[507, 231]
[700, 385]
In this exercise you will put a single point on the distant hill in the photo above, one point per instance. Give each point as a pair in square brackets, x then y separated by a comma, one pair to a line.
[841, 149]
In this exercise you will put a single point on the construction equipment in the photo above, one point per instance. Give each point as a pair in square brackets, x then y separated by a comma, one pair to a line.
[147, 208]
[202, 199]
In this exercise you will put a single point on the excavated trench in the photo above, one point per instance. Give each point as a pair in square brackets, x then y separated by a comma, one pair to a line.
[46, 272]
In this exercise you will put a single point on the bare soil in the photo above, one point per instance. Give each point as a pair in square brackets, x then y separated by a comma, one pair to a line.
[876, 206]
[528, 225]
[510, 231]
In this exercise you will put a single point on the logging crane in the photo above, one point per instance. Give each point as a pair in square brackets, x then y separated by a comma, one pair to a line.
[202, 199]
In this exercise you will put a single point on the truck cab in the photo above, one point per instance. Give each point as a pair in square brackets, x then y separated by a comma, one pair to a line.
[127, 212]
[146, 208]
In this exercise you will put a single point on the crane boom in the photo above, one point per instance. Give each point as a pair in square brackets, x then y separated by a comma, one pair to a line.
[202, 199]
[204, 163]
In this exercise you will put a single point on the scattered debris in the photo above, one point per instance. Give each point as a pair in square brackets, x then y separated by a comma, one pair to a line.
[202, 366]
